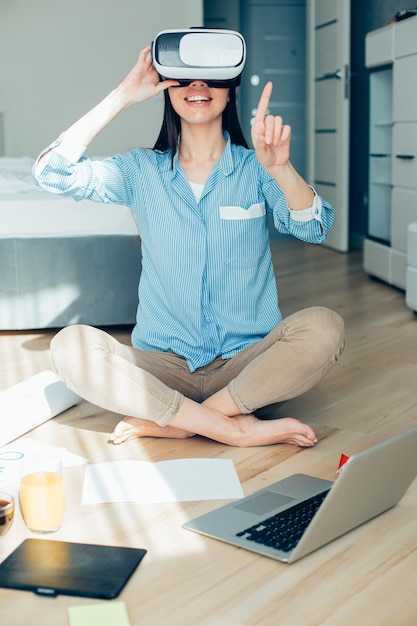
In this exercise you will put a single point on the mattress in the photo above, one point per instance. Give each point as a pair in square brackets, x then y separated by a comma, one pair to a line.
[63, 262]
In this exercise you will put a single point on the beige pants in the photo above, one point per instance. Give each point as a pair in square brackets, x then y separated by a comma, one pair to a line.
[286, 363]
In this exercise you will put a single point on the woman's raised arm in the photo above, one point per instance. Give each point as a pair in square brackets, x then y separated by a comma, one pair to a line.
[140, 84]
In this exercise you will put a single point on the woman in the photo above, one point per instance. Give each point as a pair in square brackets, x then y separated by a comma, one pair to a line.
[210, 352]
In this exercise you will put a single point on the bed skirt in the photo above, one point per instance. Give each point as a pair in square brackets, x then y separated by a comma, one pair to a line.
[55, 281]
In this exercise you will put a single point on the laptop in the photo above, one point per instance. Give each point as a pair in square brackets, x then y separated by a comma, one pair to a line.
[49, 568]
[295, 516]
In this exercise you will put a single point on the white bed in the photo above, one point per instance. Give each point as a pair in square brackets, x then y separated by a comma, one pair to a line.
[63, 262]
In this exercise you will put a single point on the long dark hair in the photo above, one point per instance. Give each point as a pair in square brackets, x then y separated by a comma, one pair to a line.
[171, 125]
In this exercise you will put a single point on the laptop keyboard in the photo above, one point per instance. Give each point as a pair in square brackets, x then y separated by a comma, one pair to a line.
[284, 530]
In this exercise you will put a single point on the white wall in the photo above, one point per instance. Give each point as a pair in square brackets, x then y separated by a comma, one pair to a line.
[58, 58]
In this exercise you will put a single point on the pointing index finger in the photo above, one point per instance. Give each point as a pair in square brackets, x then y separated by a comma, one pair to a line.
[263, 103]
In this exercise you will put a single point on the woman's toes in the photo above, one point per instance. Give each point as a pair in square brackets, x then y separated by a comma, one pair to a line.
[131, 427]
[122, 432]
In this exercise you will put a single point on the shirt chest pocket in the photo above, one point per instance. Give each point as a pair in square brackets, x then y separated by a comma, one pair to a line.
[244, 234]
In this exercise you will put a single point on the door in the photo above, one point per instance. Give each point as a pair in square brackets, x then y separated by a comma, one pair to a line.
[275, 32]
[328, 45]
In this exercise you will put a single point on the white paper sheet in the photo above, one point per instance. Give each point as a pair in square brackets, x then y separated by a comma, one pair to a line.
[165, 481]
[32, 402]
[12, 455]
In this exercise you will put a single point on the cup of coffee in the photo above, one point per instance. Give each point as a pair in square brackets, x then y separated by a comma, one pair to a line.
[42, 499]
[6, 512]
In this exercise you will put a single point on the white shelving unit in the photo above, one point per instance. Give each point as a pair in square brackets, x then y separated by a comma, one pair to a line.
[380, 156]
[391, 56]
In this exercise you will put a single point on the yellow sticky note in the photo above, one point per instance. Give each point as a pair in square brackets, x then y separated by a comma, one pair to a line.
[100, 614]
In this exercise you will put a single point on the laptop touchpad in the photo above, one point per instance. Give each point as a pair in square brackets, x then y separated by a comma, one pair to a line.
[264, 503]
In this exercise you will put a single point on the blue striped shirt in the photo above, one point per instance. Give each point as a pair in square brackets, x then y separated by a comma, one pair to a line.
[207, 286]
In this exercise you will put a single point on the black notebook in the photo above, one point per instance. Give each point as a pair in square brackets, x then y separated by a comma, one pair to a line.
[49, 568]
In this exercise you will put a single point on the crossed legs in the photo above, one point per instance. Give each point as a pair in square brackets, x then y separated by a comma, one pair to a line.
[290, 360]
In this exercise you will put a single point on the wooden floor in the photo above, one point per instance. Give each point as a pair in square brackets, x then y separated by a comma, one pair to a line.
[366, 578]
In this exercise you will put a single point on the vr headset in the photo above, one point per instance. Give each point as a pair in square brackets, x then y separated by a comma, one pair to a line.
[213, 55]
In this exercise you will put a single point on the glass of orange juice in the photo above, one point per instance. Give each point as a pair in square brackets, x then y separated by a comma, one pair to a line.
[42, 499]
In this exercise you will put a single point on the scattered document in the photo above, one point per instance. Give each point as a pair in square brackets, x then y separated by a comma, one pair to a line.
[32, 402]
[12, 455]
[165, 481]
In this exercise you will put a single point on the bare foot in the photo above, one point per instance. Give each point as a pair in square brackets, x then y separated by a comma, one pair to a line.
[131, 427]
[255, 432]
[245, 430]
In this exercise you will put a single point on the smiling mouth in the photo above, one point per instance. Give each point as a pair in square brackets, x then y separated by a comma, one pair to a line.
[197, 99]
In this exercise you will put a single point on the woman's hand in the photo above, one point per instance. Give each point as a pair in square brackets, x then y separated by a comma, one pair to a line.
[142, 82]
[270, 137]
[271, 140]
